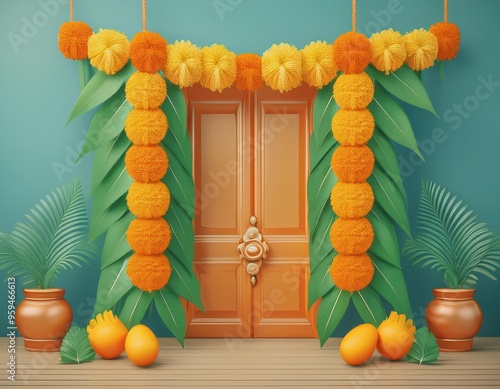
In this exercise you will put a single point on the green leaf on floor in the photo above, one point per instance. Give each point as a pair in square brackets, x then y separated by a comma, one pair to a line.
[425, 349]
[76, 347]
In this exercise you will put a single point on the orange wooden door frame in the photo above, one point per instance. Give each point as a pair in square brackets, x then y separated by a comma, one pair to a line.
[250, 157]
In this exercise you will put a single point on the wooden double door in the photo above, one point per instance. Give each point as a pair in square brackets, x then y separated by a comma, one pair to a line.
[250, 170]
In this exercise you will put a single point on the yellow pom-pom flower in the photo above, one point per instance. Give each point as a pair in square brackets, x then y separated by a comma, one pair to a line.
[353, 163]
[421, 49]
[388, 49]
[146, 127]
[184, 65]
[108, 51]
[146, 163]
[353, 127]
[149, 236]
[353, 91]
[352, 201]
[318, 67]
[282, 67]
[148, 201]
[149, 272]
[146, 90]
[395, 336]
[351, 236]
[352, 272]
[218, 68]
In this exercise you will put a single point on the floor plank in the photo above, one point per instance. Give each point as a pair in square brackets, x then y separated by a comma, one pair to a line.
[251, 363]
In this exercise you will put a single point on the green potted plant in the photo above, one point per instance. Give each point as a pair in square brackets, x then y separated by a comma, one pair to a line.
[52, 239]
[450, 240]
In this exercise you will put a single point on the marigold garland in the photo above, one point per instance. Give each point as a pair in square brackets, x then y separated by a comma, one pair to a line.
[282, 67]
[184, 65]
[353, 127]
[218, 68]
[146, 163]
[421, 49]
[148, 52]
[389, 51]
[146, 127]
[352, 52]
[108, 51]
[448, 36]
[353, 163]
[148, 201]
[352, 272]
[249, 72]
[318, 66]
[352, 201]
[145, 90]
[351, 236]
[149, 272]
[353, 91]
[73, 39]
[149, 236]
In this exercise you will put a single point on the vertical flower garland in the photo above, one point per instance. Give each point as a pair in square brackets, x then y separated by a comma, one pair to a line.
[353, 162]
[146, 162]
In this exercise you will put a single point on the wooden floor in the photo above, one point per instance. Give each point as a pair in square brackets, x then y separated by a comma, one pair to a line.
[255, 363]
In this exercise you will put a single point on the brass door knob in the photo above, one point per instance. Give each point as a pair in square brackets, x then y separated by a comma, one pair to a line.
[253, 249]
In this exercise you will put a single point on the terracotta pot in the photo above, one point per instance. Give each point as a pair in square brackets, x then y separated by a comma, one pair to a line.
[454, 317]
[43, 318]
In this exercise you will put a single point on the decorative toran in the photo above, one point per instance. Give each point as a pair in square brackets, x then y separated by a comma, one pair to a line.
[282, 67]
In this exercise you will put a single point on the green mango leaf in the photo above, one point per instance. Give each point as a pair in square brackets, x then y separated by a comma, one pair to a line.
[99, 89]
[392, 120]
[405, 85]
[385, 244]
[116, 245]
[425, 349]
[107, 123]
[385, 155]
[171, 312]
[184, 282]
[390, 198]
[323, 111]
[182, 242]
[113, 187]
[102, 220]
[106, 157]
[175, 109]
[320, 282]
[135, 306]
[331, 310]
[180, 184]
[114, 283]
[389, 282]
[369, 306]
[75, 347]
[319, 243]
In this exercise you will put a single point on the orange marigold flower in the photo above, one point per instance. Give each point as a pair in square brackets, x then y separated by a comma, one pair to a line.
[318, 66]
[353, 127]
[183, 63]
[148, 52]
[149, 236]
[149, 272]
[148, 201]
[219, 68]
[249, 72]
[351, 236]
[353, 163]
[389, 52]
[352, 52]
[73, 39]
[145, 90]
[421, 49]
[448, 36]
[352, 201]
[353, 91]
[146, 163]
[352, 272]
[146, 127]
[108, 51]
[282, 67]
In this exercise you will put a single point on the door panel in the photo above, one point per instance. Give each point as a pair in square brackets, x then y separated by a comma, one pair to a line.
[251, 158]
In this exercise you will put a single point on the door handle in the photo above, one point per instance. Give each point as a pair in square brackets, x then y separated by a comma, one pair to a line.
[253, 250]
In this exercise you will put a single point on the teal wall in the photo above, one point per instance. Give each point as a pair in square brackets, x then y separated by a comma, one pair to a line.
[38, 88]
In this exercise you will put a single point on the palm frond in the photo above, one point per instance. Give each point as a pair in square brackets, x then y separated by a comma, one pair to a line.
[54, 238]
[451, 240]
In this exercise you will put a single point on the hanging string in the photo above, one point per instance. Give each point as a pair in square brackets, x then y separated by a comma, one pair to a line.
[71, 10]
[144, 10]
[445, 11]
[354, 15]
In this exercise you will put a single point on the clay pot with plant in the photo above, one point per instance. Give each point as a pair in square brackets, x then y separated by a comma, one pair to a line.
[450, 240]
[51, 240]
